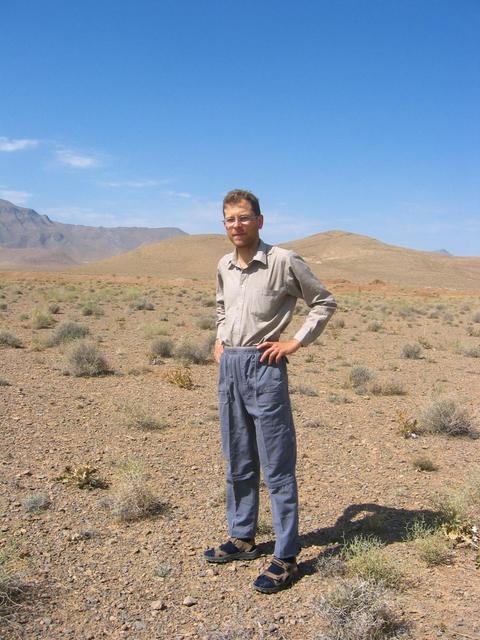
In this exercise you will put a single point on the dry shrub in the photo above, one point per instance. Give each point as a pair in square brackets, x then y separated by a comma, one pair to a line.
[11, 569]
[303, 390]
[387, 388]
[474, 332]
[133, 499]
[359, 376]
[358, 609]
[375, 326]
[142, 304]
[37, 502]
[140, 418]
[206, 322]
[181, 377]
[160, 348]
[85, 360]
[67, 331]
[422, 463]
[7, 339]
[193, 353]
[412, 351]
[447, 417]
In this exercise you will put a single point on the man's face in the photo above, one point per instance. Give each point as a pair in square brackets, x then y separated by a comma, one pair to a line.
[242, 234]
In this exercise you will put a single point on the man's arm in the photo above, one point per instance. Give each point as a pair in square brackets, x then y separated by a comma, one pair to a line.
[218, 348]
[302, 283]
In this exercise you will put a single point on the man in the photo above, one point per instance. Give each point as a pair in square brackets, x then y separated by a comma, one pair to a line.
[257, 289]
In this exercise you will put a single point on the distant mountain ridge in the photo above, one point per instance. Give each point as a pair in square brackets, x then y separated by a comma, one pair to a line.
[28, 237]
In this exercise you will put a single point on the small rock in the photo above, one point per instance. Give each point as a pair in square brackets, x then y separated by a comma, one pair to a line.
[189, 601]
[157, 605]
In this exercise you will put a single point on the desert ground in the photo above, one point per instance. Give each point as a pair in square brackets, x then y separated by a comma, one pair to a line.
[113, 484]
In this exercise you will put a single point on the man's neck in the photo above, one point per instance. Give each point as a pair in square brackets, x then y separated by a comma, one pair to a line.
[245, 254]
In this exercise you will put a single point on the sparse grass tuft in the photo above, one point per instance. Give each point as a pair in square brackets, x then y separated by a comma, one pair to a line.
[315, 424]
[53, 308]
[7, 339]
[412, 351]
[132, 498]
[447, 417]
[460, 511]
[42, 320]
[85, 360]
[422, 463]
[92, 308]
[139, 418]
[431, 543]
[303, 390]
[375, 326]
[358, 609]
[180, 377]
[4, 383]
[474, 332]
[367, 558]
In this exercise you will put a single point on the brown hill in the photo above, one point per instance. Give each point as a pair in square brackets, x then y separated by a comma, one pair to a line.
[332, 255]
[192, 256]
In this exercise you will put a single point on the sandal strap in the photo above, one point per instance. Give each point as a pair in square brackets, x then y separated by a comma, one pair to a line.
[289, 569]
[241, 544]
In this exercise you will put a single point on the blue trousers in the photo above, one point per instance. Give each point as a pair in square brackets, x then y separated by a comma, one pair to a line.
[258, 432]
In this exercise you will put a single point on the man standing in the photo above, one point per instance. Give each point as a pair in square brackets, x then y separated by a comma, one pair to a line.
[257, 288]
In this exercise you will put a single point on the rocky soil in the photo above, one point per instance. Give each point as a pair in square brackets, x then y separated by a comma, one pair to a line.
[88, 574]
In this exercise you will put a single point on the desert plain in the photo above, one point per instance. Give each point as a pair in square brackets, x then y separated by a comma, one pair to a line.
[113, 483]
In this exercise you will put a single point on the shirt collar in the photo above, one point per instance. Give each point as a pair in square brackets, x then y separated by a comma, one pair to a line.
[260, 255]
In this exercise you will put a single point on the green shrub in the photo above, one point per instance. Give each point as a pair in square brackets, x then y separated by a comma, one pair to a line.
[431, 543]
[367, 558]
[42, 320]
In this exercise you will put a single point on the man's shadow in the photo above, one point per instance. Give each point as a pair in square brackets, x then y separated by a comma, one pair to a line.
[387, 524]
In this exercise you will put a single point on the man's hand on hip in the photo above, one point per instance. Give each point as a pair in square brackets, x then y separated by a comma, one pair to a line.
[217, 351]
[275, 351]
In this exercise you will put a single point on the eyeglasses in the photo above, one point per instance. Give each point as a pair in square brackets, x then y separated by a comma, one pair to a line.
[229, 222]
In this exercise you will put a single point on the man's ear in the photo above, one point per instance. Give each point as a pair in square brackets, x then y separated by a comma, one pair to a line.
[260, 221]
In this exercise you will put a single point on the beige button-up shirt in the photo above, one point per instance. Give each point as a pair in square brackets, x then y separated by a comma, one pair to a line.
[257, 303]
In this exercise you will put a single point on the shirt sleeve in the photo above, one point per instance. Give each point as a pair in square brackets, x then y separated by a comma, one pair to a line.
[302, 283]
[220, 306]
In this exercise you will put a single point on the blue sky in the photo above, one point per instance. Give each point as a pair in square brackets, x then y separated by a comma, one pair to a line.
[361, 115]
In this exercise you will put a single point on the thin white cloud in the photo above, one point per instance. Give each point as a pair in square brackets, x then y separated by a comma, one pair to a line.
[10, 144]
[178, 194]
[76, 160]
[16, 197]
[132, 184]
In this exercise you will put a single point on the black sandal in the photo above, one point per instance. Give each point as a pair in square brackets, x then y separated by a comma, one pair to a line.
[277, 576]
[233, 549]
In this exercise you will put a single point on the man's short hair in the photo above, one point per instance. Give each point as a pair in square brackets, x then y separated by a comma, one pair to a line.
[237, 195]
